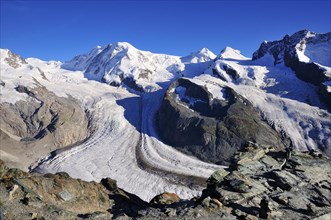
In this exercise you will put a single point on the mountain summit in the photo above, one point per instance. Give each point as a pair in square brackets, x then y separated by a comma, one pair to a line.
[307, 46]
[122, 64]
[202, 55]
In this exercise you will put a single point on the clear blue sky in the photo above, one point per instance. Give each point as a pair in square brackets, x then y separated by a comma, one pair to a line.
[61, 29]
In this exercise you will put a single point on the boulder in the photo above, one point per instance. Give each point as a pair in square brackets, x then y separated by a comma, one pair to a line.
[217, 176]
[165, 198]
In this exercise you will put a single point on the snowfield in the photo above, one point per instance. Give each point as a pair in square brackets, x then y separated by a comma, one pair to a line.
[124, 143]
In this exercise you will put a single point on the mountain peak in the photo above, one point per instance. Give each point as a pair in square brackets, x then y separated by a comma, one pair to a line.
[302, 44]
[230, 53]
[12, 59]
[202, 55]
[205, 51]
[303, 33]
[121, 45]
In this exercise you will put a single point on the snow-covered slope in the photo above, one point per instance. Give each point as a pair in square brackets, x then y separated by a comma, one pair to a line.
[203, 55]
[122, 64]
[305, 52]
[124, 143]
[290, 105]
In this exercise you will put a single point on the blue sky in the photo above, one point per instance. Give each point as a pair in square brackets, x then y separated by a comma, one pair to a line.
[61, 29]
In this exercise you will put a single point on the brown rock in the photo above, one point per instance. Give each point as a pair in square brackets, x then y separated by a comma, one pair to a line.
[166, 198]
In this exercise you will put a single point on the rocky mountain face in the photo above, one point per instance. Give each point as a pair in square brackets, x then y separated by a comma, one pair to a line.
[12, 59]
[261, 183]
[191, 120]
[40, 124]
[44, 114]
[306, 53]
[122, 64]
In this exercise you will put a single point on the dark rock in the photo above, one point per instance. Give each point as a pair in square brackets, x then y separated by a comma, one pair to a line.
[109, 183]
[239, 186]
[122, 217]
[210, 129]
[285, 180]
[217, 176]
[94, 215]
[230, 71]
[325, 93]
[63, 174]
[285, 51]
[309, 72]
[131, 83]
[264, 208]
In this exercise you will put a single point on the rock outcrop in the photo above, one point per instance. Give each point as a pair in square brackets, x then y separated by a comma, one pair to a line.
[58, 196]
[12, 59]
[211, 129]
[325, 91]
[166, 198]
[261, 183]
[44, 119]
[269, 184]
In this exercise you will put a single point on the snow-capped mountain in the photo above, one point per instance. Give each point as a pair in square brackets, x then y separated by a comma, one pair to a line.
[119, 90]
[200, 56]
[304, 52]
[307, 54]
[13, 60]
[121, 63]
[307, 46]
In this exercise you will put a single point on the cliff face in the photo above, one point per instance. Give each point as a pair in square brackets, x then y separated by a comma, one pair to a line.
[211, 129]
[261, 183]
[306, 53]
[44, 119]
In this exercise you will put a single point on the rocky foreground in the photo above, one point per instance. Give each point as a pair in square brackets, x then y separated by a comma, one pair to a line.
[261, 183]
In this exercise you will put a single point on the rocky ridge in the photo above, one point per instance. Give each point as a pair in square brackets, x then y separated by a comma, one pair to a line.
[209, 128]
[261, 183]
[12, 59]
[122, 64]
[43, 123]
[293, 52]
